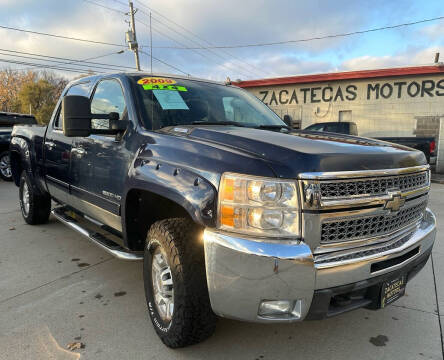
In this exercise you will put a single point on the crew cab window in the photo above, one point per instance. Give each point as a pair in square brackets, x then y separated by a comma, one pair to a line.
[108, 97]
[81, 89]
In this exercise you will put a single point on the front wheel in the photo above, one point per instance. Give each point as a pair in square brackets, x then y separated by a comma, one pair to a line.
[175, 283]
[5, 166]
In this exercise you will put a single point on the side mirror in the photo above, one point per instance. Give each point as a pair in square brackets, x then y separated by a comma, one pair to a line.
[76, 115]
[288, 121]
[76, 112]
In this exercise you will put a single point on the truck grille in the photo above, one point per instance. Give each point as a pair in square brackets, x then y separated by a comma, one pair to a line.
[372, 187]
[370, 226]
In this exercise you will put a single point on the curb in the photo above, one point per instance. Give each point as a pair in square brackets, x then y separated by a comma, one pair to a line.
[437, 181]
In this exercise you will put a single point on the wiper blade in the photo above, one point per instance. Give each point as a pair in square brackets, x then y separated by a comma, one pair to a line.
[273, 127]
[234, 123]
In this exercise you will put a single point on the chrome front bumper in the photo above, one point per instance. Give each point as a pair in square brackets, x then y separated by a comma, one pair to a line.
[243, 272]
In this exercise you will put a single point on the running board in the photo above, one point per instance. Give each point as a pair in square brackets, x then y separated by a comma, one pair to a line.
[97, 238]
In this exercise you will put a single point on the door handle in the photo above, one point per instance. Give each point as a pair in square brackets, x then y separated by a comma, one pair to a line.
[50, 145]
[79, 150]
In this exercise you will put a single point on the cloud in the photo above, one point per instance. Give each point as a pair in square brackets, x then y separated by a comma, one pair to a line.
[434, 32]
[229, 22]
[407, 58]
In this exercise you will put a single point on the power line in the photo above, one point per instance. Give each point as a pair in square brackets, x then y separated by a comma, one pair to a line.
[60, 36]
[183, 45]
[105, 7]
[155, 58]
[169, 37]
[178, 42]
[165, 63]
[118, 67]
[57, 62]
[120, 2]
[53, 67]
[195, 42]
[202, 39]
[191, 40]
[289, 42]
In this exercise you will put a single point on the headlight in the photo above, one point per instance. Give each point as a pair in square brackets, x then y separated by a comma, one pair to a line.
[258, 206]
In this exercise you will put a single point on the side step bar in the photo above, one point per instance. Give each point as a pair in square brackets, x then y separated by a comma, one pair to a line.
[97, 238]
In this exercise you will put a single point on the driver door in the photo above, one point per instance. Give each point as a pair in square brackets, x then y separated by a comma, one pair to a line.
[99, 163]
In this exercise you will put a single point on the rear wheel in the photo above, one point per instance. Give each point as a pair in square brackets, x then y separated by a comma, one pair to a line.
[5, 166]
[175, 283]
[35, 207]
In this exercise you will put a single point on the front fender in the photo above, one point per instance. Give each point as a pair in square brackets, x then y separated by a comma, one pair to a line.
[182, 186]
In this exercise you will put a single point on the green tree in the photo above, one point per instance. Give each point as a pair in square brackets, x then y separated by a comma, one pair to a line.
[11, 81]
[31, 91]
[40, 98]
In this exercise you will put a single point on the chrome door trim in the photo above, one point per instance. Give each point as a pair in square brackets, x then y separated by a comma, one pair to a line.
[97, 213]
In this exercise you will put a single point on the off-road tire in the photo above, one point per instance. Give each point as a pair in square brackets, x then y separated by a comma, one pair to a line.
[3, 176]
[193, 320]
[39, 204]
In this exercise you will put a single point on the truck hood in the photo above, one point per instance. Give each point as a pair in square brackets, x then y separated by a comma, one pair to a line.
[289, 154]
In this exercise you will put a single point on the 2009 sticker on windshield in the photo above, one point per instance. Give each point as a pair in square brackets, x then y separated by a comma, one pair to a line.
[158, 83]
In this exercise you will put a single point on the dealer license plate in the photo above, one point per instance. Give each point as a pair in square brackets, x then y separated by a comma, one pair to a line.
[392, 290]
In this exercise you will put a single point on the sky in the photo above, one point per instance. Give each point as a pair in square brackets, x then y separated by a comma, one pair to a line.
[197, 23]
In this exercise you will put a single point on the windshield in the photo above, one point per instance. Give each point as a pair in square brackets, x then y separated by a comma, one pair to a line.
[173, 101]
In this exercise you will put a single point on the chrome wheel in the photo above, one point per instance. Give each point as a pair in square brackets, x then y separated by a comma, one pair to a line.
[5, 166]
[162, 286]
[25, 199]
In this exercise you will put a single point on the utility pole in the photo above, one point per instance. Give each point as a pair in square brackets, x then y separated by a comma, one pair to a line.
[131, 36]
[151, 45]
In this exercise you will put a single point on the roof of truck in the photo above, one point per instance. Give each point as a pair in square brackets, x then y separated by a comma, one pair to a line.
[147, 74]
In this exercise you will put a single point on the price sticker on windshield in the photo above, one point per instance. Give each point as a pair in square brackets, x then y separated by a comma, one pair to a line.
[164, 87]
[158, 83]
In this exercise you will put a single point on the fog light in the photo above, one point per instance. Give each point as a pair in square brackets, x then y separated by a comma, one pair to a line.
[280, 309]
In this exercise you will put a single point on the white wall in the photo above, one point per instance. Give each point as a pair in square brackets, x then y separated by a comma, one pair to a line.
[392, 113]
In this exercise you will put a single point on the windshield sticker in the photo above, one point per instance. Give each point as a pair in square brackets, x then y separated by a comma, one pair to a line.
[156, 81]
[164, 87]
[170, 100]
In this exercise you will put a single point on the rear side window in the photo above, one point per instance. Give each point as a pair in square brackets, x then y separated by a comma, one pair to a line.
[81, 89]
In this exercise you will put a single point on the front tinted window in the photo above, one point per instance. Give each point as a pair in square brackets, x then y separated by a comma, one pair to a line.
[107, 98]
[316, 127]
[169, 102]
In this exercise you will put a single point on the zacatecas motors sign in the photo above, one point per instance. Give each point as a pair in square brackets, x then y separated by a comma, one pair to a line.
[371, 91]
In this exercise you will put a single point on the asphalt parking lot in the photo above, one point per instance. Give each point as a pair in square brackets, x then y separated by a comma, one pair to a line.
[57, 288]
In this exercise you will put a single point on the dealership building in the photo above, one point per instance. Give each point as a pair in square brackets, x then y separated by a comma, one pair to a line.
[407, 101]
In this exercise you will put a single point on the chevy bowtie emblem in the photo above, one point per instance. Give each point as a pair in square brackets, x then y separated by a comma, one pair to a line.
[395, 202]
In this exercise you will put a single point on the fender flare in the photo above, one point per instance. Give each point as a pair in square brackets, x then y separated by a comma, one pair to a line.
[20, 146]
[182, 186]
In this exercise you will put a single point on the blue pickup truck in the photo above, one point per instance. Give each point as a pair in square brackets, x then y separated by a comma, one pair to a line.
[233, 213]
